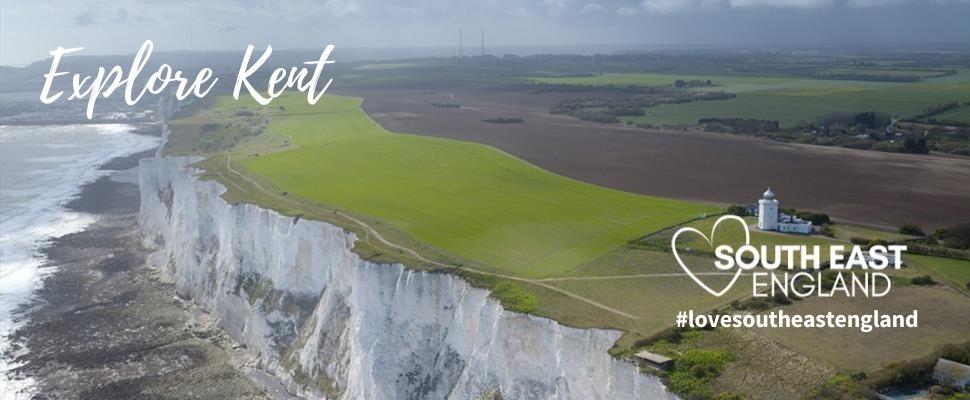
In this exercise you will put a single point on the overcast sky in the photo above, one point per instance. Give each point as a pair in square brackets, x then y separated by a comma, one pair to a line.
[31, 28]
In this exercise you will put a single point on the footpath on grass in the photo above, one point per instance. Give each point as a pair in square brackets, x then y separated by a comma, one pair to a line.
[371, 232]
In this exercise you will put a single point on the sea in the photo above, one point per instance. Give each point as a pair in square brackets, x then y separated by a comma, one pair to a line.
[42, 168]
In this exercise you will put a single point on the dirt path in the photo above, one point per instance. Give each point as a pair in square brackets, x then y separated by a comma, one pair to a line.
[597, 278]
[370, 232]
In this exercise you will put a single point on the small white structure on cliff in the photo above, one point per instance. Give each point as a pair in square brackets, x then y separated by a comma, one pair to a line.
[952, 374]
[769, 219]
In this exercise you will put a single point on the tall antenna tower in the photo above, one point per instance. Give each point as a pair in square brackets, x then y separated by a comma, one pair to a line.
[460, 55]
[483, 43]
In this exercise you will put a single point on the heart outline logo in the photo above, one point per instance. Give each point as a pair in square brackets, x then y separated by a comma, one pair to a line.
[710, 241]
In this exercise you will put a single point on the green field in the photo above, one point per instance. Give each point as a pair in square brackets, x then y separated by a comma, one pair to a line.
[959, 114]
[555, 247]
[468, 200]
[787, 100]
[848, 232]
[956, 272]
[922, 73]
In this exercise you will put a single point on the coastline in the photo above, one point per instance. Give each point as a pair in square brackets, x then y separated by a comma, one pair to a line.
[42, 169]
[105, 325]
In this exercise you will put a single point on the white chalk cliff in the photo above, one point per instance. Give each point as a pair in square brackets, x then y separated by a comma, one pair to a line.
[332, 325]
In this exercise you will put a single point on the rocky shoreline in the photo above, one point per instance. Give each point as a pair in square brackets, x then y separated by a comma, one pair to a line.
[107, 326]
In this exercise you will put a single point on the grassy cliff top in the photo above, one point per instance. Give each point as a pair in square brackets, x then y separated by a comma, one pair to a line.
[466, 199]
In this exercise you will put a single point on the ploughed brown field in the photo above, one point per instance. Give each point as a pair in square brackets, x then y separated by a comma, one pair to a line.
[864, 187]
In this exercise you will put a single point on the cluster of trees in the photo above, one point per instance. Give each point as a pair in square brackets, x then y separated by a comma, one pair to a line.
[625, 104]
[858, 130]
[954, 237]
[923, 280]
[695, 370]
[915, 146]
[911, 230]
[854, 122]
[739, 125]
[952, 242]
[223, 135]
[934, 110]
[680, 83]
[869, 77]
[568, 87]
[928, 116]
[949, 140]
[504, 120]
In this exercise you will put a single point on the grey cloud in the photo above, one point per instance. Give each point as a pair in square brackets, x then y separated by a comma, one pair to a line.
[121, 15]
[86, 19]
[119, 26]
[673, 6]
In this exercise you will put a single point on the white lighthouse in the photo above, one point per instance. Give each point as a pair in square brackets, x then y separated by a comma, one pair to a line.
[769, 219]
[768, 211]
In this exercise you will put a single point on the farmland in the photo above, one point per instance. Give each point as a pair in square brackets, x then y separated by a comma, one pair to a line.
[467, 200]
[557, 247]
[788, 100]
[665, 163]
[505, 215]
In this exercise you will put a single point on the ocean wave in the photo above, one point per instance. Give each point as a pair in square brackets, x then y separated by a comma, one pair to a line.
[42, 168]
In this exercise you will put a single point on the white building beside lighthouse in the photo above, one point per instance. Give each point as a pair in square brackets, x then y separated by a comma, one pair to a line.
[769, 219]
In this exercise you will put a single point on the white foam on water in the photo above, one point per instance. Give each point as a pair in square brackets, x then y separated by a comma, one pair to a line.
[42, 168]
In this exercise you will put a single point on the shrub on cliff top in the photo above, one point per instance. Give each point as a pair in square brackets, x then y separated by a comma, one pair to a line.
[695, 369]
[515, 298]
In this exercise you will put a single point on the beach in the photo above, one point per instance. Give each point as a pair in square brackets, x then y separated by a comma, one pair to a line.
[100, 323]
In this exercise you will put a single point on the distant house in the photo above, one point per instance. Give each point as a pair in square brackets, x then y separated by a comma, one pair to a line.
[655, 360]
[952, 374]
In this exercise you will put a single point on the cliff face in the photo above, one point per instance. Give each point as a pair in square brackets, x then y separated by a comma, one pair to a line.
[330, 324]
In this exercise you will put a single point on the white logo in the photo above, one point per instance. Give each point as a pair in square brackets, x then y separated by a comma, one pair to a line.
[802, 274]
[710, 241]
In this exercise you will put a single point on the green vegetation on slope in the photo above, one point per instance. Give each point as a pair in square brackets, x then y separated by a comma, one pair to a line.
[466, 199]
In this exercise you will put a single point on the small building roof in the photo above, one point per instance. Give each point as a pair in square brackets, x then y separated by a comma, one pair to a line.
[952, 373]
[654, 358]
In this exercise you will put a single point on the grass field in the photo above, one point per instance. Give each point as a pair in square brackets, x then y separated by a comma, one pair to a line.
[959, 114]
[787, 100]
[465, 199]
[847, 232]
[571, 241]
[924, 73]
[944, 317]
[953, 271]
